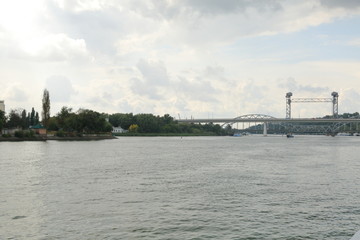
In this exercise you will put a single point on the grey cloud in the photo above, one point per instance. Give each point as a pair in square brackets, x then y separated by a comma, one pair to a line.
[155, 79]
[217, 71]
[172, 9]
[154, 76]
[214, 7]
[154, 73]
[341, 3]
[349, 100]
[292, 85]
[124, 106]
[253, 91]
[157, 9]
[60, 88]
[199, 90]
[182, 22]
[142, 88]
[99, 28]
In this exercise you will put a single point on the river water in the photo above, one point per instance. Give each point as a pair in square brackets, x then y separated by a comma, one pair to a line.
[249, 187]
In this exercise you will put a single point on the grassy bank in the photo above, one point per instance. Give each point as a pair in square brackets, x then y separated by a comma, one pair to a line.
[54, 138]
[163, 134]
[17, 139]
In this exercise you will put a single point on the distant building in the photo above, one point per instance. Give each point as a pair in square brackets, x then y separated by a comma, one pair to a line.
[10, 131]
[2, 105]
[118, 130]
[39, 129]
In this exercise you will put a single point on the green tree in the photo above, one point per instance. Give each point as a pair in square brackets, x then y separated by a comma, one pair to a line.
[53, 124]
[148, 123]
[14, 119]
[37, 119]
[32, 117]
[2, 120]
[45, 114]
[63, 118]
[24, 120]
[92, 122]
[167, 119]
[124, 120]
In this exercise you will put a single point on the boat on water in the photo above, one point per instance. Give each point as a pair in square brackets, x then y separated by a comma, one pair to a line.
[241, 134]
[289, 135]
[343, 134]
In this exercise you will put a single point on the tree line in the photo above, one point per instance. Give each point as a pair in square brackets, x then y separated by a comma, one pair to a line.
[85, 121]
[149, 123]
[82, 121]
[20, 118]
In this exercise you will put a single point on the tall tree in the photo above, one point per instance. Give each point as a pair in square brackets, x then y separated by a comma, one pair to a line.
[23, 119]
[14, 119]
[32, 117]
[36, 118]
[45, 108]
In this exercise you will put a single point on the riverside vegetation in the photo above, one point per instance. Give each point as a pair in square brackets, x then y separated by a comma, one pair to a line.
[74, 124]
[69, 123]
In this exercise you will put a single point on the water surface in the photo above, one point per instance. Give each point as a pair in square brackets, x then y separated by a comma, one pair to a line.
[181, 188]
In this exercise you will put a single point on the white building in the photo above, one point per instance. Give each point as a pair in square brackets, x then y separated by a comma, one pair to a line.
[2, 106]
[118, 130]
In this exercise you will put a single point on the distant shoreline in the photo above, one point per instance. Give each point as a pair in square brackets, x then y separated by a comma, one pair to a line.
[96, 138]
[53, 138]
[166, 135]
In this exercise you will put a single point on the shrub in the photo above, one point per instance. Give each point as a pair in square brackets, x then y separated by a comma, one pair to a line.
[19, 134]
[60, 133]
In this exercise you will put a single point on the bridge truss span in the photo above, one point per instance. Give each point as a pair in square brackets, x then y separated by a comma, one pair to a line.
[255, 116]
[250, 118]
[268, 124]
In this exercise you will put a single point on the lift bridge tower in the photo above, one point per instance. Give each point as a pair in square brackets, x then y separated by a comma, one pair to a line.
[334, 100]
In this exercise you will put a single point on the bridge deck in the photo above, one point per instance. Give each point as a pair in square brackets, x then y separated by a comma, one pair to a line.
[269, 120]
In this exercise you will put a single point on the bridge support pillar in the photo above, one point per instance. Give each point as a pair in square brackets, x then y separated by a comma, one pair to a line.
[265, 129]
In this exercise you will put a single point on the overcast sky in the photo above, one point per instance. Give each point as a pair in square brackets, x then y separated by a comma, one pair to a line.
[199, 58]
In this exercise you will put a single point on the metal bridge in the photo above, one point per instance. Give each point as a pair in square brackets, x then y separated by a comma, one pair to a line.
[294, 125]
[283, 125]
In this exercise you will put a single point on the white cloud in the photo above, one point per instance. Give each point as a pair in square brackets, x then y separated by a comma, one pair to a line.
[354, 42]
[19, 16]
[190, 56]
[54, 47]
[80, 5]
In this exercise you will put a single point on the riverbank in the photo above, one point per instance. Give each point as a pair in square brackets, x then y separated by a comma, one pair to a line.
[54, 138]
[165, 134]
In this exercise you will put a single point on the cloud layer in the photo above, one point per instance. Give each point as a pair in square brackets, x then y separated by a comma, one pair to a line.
[194, 57]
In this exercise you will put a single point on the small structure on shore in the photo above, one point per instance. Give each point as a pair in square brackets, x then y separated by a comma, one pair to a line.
[10, 132]
[118, 130]
[39, 129]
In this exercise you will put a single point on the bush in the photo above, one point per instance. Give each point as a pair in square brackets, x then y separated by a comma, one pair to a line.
[6, 135]
[29, 134]
[19, 134]
[60, 133]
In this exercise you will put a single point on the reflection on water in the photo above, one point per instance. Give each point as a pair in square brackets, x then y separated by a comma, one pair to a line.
[181, 188]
